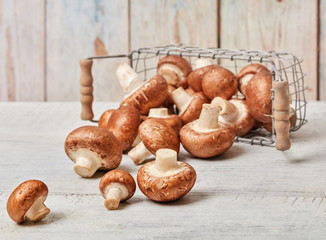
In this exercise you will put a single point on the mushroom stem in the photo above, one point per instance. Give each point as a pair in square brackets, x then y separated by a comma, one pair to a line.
[86, 166]
[37, 211]
[181, 99]
[228, 110]
[166, 159]
[208, 118]
[112, 198]
[158, 112]
[128, 78]
[139, 153]
[203, 62]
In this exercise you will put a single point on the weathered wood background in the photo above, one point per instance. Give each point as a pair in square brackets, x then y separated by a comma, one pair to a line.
[41, 41]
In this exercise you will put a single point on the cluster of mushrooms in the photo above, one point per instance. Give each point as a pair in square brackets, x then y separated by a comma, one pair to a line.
[195, 107]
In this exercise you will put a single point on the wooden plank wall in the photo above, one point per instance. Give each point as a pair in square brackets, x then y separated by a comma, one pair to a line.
[42, 41]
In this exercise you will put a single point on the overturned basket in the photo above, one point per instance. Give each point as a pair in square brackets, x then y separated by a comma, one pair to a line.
[287, 76]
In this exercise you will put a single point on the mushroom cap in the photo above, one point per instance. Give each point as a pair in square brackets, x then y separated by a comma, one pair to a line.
[23, 197]
[206, 144]
[98, 140]
[149, 95]
[195, 78]
[219, 82]
[156, 134]
[194, 108]
[179, 62]
[174, 121]
[124, 123]
[167, 187]
[293, 119]
[115, 177]
[259, 96]
[104, 119]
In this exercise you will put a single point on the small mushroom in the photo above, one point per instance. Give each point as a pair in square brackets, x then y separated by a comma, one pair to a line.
[104, 119]
[116, 186]
[166, 179]
[235, 112]
[247, 73]
[207, 137]
[26, 202]
[149, 95]
[175, 70]
[219, 82]
[128, 78]
[293, 118]
[189, 107]
[93, 148]
[155, 134]
[124, 123]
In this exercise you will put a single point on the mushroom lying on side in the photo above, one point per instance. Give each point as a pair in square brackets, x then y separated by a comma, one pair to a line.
[166, 179]
[155, 134]
[175, 70]
[93, 148]
[26, 202]
[235, 112]
[116, 186]
[189, 107]
[104, 119]
[207, 137]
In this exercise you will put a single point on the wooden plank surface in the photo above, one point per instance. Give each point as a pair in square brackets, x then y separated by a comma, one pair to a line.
[289, 26]
[79, 29]
[322, 51]
[250, 192]
[22, 50]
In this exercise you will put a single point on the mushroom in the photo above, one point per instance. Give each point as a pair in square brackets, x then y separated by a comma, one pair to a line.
[293, 118]
[155, 134]
[259, 96]
[116, 186]
[93, 148]
[26, 202]
[175, 70]
[149, 95]
[124, 123]
[203, 66]
[247, 73]
[219, 82]
[235, 112]
[189, 107]
[207, 137]
[128, 78]
[104, 119]
[166, 179]
[174, 121]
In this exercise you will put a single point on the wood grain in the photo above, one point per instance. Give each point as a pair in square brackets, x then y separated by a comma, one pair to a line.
[322, 51]
[22, 50]
[79, 29]
[285, 26]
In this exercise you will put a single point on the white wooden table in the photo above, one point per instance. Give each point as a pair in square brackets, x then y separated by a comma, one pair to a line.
[251, 192]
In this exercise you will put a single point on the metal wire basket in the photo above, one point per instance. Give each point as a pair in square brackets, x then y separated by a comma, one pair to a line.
[285, 67]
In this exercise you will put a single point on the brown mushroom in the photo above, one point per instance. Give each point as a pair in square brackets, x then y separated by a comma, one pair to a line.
[175, 70]
[166, 179]
[293, 118]
[155, 134]
[247, 73]
[124, 123]
[149, 95]
[189, 107]
[219, 82]
[235, 112]
[93, 148]
[207, 137]
[26, 202]
[104, 119]
[116, 186]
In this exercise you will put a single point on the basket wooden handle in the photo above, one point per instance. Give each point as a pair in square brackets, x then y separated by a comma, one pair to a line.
[281, 106]
[86, 89]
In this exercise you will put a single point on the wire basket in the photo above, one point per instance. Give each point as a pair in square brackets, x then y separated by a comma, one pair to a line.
[283, 66]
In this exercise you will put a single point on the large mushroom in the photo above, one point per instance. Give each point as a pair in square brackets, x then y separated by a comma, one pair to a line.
[116, 186]
[189, 107]
[207, 137]
[124, 123]
[104, 119]
[93, 148]
[26, 202]
[175, 70]
[235, 112]
[155, 134]
[166, 179]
